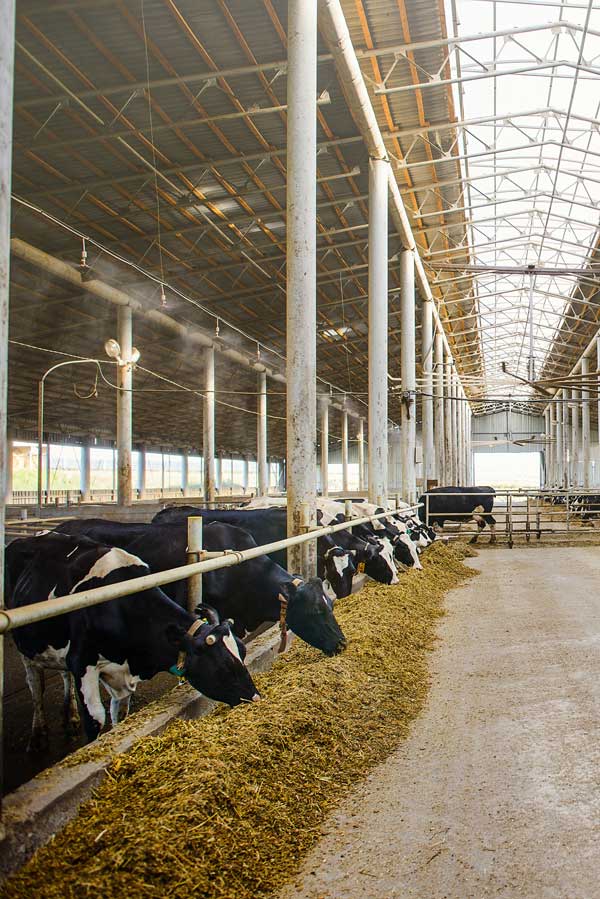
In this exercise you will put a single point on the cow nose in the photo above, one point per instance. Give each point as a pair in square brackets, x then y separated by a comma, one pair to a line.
[256, 697]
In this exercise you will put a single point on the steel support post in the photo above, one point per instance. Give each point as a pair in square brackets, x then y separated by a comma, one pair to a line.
[7, 39]
[457, 441]
[427, 416]
[261, 436]
[552, 446]
[566, 430]
[124, 406]
[85, 474]
[143, 473]
[586, 435]
[547, 451]
[345, 478]
[219, 474]
[301, 366]
[408, 374]
[185, 475]
[575, 475]
[194, 554]
[324, 446]
[449, 460]
[378, 329]
[598, 390]
[245, 474]
[362, 482]
[559, 470]
[208, 425]
[438, 408]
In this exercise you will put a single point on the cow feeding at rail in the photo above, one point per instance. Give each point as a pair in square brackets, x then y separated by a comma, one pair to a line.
[227, 805]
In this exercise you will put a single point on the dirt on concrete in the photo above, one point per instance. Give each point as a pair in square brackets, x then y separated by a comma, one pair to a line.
[497, 790]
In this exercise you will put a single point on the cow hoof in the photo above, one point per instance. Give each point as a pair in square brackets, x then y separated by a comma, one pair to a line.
[38, 740]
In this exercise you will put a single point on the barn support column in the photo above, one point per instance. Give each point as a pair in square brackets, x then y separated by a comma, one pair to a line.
[7, 44]
[85, 476]
[345, 478]
[448, 461]
[324, 446]
[575, 474]
[560, 449]
[552, 447]
[598, 389]
[378, 329]
[586, 436]
[124, 406]
[301, 368]
[461, 434]
[208, 425]
[261, 436]
[10, 462]
[185, 474]
[547, 450]
[245, 474]
[408, 374]
[438, 408]
[219, 474]
[429, 467]
[566, 430]
[361, 455]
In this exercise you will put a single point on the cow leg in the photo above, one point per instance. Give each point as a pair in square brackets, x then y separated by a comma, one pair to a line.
[115, 707]
[70, 709]
[489, 519]
[34, 676]
[480, 526]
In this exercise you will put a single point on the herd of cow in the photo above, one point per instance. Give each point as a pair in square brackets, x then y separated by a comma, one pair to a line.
[118, 643]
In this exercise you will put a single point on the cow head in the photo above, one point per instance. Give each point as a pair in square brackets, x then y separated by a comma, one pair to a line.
[340, 569]
[310, 615]
[212, 659]
[379, 561]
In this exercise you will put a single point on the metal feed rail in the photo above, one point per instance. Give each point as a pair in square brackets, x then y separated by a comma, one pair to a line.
[51, 608]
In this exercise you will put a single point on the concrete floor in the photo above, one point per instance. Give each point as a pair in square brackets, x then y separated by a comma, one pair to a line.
[497, 790]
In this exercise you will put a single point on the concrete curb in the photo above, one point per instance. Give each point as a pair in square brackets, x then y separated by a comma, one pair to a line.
[43, 806]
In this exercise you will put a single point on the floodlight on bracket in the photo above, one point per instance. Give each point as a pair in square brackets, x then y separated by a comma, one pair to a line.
[112, 348]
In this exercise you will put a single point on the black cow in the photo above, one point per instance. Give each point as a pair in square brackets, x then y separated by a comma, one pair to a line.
[270, 525]
[119, 642]
[464, 504]
[250, 593]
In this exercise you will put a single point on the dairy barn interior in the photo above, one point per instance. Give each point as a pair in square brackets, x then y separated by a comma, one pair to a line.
[299, 445]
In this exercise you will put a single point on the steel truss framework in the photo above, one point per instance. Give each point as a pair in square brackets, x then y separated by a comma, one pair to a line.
[163, 137]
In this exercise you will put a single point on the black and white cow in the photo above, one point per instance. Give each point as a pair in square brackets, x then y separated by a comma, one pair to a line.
[116, 643]
[463, 504]
[250, 593]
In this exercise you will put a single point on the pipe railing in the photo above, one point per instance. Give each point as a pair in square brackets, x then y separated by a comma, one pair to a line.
[52, 608]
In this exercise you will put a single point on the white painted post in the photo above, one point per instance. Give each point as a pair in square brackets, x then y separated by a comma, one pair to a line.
[245, 473]
[194, 554]
[301, 332]
[378, 328]
[408, 374]
[361, 455]
[185, 475]
[559, 447]
[429, 468]
[261, 436]
[566, 434]
[324, 446]
[575, 477]
[219, 474]
[449, 465]
[586, 435]
[85, 478]
[455, 429]
[7, 37]
[124, 406]
[345, 478]
[10, 461]
[438, 408]
[143, 473]
[208, 425]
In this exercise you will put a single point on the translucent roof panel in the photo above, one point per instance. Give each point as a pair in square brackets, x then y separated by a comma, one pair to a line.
[527, 93]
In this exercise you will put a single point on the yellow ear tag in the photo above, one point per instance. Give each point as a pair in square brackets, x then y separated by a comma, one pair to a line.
[361, 567]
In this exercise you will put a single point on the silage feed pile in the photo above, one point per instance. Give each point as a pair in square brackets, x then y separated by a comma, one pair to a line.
[227, 806]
